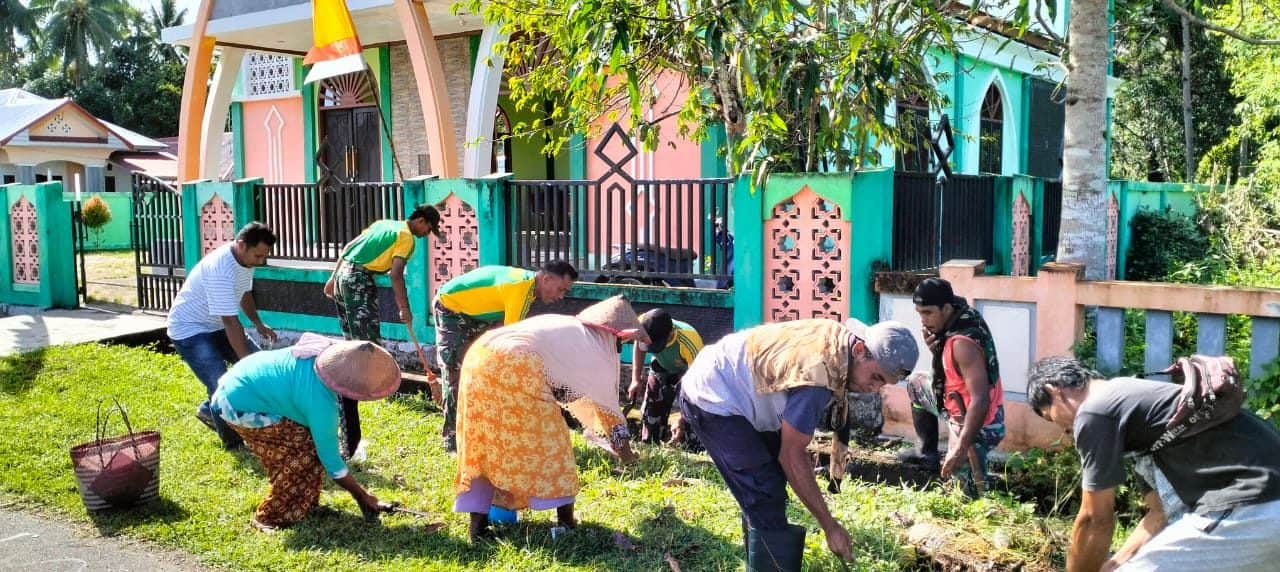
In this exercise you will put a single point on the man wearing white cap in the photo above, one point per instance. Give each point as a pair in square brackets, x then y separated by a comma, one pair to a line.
[285, 405]
[754, 400]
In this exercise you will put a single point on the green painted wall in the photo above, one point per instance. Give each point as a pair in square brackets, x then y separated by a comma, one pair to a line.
[748, 259]
[115, 234]
[871, 239]
[383, 70]
[57, 286]
[1137, 195]
[309, 119]
[237, 137]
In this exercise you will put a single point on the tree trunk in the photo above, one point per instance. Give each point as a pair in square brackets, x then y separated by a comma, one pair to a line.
[1188, 120]
[1083, 237]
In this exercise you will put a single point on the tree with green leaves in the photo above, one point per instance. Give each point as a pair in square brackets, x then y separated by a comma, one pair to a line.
[165, 14]
[77, 30]
[798, 86]
[17, 22]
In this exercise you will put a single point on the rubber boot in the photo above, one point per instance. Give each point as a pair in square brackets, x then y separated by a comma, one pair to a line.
[775, 550]
[926, 426]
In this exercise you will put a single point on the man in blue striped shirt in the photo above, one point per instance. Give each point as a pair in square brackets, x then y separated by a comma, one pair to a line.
[204, 322]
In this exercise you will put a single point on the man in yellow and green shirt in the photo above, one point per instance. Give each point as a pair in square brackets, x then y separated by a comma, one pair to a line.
[468, 305]
[674, 345]
[383, 248]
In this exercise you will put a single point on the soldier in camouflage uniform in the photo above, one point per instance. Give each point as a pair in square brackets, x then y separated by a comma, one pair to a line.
[383, 248]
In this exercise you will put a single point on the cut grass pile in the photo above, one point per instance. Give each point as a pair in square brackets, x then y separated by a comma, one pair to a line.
[671, 503]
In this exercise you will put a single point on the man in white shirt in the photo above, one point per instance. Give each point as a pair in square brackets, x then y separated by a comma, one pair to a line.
[204, 322]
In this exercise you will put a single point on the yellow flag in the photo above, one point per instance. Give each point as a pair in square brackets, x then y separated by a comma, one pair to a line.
[337, 49]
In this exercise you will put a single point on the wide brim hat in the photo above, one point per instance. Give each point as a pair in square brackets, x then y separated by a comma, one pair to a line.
[358, 370]
[613, 313]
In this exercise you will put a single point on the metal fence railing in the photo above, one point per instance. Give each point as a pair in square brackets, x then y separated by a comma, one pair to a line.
[933, 223]
[314, 223]
[1051, 218]
[618, 229]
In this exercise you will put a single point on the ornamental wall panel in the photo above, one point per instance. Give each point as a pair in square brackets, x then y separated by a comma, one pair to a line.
[806, 260]
[217, 225]
[459, 251]
[1113, 236]
[1021, 247]
[25, 242]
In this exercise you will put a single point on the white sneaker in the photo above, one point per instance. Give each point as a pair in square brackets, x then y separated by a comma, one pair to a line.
[361, 453]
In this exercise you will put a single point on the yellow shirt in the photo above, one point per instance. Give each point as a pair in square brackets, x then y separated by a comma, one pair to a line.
[490, 293]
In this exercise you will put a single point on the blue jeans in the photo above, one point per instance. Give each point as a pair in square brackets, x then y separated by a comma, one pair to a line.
[209, 355]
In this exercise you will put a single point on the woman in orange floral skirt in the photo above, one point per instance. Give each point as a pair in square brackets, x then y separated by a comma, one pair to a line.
[513, 445]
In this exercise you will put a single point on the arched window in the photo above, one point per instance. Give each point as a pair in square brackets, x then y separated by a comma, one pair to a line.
[991, 132]
[501, 161]
[913, 124]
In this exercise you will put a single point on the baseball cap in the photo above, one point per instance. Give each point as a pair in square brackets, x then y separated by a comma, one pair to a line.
[890, 343]
[934, 292]
[657, 324]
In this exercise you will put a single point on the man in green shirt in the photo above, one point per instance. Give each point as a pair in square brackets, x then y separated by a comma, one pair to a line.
[468, 305]
[674, 345]
[383, 248]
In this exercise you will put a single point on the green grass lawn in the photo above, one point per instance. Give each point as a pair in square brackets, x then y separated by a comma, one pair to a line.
[112, 276]
[671, 503]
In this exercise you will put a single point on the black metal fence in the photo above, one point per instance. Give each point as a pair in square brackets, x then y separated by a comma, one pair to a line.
[630, 231]
[1051, 219]
[617, 228]
[314, 223]
[156, 234]
[933, 223]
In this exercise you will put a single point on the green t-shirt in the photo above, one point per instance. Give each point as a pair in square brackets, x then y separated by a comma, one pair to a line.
[676, 357]
[379, 244]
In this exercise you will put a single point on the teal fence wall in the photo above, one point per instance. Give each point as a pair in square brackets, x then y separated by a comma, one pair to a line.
[57, 281]
[1134, 196]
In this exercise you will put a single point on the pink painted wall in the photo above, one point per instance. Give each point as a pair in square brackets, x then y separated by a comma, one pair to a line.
[273, 140]
[674, 158]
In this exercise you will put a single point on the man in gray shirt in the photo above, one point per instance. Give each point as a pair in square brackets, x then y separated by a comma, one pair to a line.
[1215, 498]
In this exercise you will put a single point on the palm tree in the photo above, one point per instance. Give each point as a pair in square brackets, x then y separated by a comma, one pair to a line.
[165, 14]
[75, 30]
[16, 21]
[1083, 237]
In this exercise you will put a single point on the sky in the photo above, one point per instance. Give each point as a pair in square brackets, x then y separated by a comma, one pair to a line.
[145, 6]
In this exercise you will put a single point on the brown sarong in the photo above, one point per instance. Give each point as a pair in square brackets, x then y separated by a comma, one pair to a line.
[289, 456]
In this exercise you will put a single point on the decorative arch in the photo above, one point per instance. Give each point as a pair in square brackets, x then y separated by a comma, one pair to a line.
[217, 224]
[991, 141]
[25, 242]
[459, 251]
[806, 268]
[501, 162]
[914, 123]
[1021, 246]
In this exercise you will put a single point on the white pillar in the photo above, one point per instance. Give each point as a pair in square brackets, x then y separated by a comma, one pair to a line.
[216, 109]
[482, 106]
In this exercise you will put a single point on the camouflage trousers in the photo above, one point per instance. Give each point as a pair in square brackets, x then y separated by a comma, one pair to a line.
[923, 398]
[661, 390]
[356, 297]
[454, 335]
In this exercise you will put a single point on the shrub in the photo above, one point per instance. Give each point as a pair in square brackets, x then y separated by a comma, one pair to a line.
[1164, 242]
[96, 213]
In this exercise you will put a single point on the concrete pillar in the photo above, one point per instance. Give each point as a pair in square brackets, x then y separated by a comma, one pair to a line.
[1265, 346]
[486, 81]
[194, 92]
[1211, 334]
[27, 174]
[95, 178]
[1159, 351]
[216, 110]
[1110, 340]
[433, 95]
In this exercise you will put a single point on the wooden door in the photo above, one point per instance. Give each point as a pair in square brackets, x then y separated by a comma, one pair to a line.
[337, 144]
[367, 145]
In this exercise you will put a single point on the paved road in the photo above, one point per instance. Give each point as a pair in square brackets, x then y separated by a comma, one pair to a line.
[31, 543]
